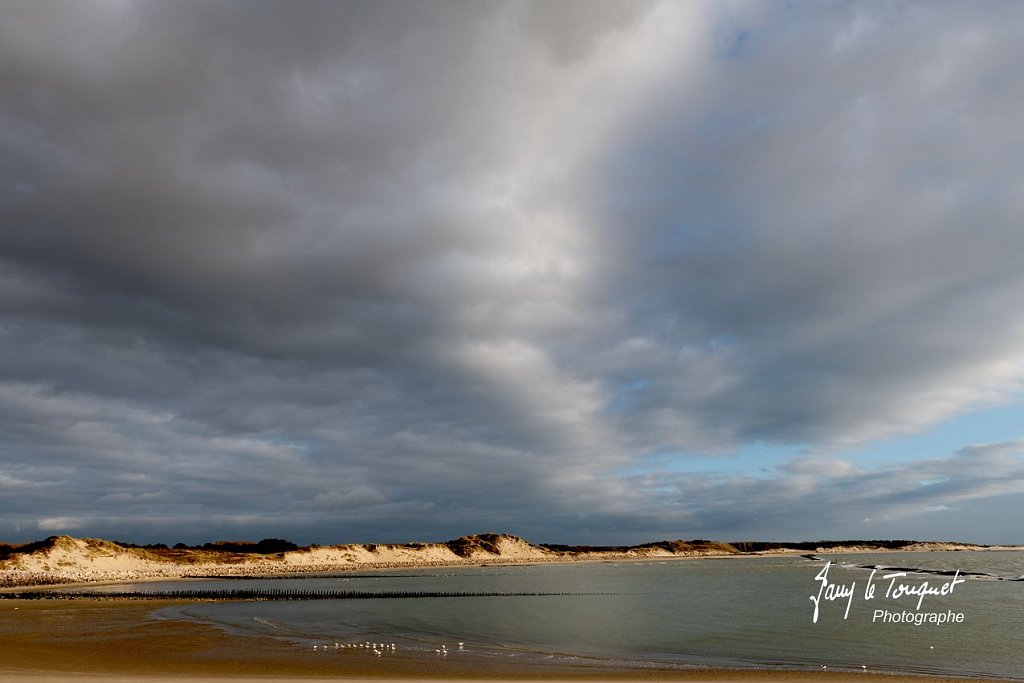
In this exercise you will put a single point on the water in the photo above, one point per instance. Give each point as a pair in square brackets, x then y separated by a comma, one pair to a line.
[746, 612]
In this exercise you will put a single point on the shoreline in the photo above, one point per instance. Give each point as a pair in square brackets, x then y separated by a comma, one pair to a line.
[84, 640]
[91, 638]
[14, 580]
[255, 573]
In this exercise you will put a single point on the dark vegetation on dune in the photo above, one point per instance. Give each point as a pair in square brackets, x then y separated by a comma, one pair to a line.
[760, 546]
[264, 547]
[678, 547]
[466, 545]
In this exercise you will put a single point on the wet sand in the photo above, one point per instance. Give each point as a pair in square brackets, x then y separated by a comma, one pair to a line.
[84, 641]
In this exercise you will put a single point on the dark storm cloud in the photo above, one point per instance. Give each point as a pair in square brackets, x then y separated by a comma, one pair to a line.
[371, 270]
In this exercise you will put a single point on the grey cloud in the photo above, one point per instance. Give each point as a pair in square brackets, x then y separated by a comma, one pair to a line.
[795, 501]
[571, 29]
[422, 268]
[833, 226]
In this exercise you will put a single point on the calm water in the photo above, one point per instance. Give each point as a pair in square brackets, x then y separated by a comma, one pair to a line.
[750, 612]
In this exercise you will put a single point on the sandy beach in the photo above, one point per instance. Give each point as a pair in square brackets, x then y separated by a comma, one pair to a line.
[85, 640]
[711, 676]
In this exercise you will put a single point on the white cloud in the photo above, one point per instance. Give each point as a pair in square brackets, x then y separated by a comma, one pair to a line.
[60, 523]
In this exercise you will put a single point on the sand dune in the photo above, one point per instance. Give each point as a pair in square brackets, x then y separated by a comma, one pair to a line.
[64, 559]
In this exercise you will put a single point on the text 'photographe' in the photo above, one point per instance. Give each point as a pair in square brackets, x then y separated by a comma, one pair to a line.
[896, 589]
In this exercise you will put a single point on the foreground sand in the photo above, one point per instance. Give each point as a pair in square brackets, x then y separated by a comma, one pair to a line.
[85, 641]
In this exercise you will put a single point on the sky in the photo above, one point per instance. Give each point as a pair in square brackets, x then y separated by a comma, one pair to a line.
[584, 271]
